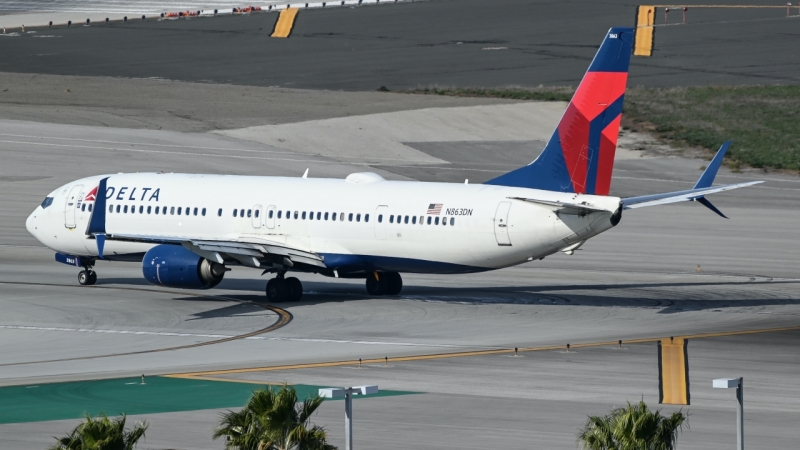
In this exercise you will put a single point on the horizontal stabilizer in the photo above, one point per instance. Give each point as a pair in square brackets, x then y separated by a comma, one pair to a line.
[578, 209]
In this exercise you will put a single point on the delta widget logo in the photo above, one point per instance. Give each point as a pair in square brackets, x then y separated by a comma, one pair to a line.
[91, 196]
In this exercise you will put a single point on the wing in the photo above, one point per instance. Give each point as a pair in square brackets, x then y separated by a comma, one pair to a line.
[702, 188]
[250, 251]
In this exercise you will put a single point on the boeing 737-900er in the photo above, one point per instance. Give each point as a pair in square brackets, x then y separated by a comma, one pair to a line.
[187, 230]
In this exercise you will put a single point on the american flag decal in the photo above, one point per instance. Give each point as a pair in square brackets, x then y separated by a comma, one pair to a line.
[435, 209]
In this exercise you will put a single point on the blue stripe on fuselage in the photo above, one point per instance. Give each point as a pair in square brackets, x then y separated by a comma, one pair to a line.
[369, 263]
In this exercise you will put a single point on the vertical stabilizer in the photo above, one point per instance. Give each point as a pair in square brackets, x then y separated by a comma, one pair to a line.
[580, 155]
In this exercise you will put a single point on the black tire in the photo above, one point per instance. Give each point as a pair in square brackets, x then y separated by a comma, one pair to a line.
[394, 283]
[83, 278]
[92, 278]
[376, 283]
[295, 288]
[276, 291]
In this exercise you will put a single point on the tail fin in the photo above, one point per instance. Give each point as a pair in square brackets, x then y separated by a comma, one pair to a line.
[580, 155]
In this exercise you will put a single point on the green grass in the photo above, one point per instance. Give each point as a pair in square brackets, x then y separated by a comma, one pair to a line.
[762, 120]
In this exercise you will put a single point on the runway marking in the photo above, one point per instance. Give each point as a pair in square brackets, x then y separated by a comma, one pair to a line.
[261, 338]
[474, 353]
[283, 319]
[285, 23]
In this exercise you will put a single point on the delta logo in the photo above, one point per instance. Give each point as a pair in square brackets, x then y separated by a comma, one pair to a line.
[91, 196]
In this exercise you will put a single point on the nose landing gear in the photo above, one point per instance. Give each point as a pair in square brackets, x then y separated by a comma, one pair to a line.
[87, 276]
[384, 283]
[280, 289]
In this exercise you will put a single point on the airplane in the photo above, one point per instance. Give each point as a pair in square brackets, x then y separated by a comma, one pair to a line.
[187, 230]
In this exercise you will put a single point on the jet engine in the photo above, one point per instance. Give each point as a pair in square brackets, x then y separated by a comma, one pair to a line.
[175, 266]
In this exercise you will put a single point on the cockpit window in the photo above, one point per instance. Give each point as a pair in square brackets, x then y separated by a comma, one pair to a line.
[47, 202]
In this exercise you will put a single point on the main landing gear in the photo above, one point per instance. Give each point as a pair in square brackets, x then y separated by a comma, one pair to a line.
[280, 289]
[384, 283]
[87, 276]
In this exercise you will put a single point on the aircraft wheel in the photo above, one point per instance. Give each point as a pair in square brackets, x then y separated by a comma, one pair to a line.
[376, 283]
[394, 283]
[87, 277]
[295, 288]
[276, 291]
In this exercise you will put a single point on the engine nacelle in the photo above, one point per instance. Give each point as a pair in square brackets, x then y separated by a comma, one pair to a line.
[175, 266]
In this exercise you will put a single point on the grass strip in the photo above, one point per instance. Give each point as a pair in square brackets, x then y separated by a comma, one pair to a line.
[764, 121]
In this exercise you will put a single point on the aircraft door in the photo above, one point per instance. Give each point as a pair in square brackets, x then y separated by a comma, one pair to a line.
[257, 210]
[501, 224]
[71, 205]
[271, 211]
[381, 219]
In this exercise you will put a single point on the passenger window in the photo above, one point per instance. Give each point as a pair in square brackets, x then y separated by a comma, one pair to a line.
[172, 211]
[83, 207]
[258, 213]
[304, 215]
[194, 212]
[341, 217]
[350, 217]
[203, 212]
[319, 215]
[235, 211]
[326, 216]
[311, 215]
[391, 218]
[279, 214]
[156, 209]
[241, 213]
[437, 221]
[405, 219]
[219, 212]
[429, 220]
[366, 217]
[125, 209]
[90, 207]
[414, 220]
[270, 213]
[358, 217]
[452, 221]
[111, 208]
[141, 209]
[179, 210]
[334, 217]
[249, 213]
[380, 218]
[149, 209]
[295, 214]
[421, 220]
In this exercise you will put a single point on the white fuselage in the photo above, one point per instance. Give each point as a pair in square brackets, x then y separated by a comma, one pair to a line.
[396, 225]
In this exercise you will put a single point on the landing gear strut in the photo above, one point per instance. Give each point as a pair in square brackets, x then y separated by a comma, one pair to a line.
[280, 289]
[384, 283]
[87, 276]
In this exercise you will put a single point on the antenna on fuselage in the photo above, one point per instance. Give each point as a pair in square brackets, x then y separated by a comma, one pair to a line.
[466, 181]
[305, 175]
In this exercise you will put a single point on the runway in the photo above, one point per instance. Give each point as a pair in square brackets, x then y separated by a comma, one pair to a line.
[447, 341]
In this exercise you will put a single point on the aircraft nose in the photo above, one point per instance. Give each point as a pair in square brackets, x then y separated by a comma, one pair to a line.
[32, 223]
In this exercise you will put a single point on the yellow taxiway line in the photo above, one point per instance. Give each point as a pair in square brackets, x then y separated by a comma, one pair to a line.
[211, 375]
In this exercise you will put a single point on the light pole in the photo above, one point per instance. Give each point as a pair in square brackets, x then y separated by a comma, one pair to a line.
[738, 383]
[348, 393]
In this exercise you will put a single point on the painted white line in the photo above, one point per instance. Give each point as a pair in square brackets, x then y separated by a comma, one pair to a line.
[223, 336]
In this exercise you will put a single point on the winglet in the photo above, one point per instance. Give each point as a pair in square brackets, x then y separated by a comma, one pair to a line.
[707, 178]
